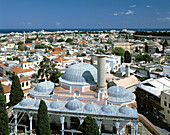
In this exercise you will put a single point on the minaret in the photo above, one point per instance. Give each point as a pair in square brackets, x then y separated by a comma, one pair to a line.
[101, 73]
[24, 37]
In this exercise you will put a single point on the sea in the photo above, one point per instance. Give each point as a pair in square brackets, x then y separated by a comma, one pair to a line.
[52, 30]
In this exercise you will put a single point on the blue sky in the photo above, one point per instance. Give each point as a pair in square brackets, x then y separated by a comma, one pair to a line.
[60, 14]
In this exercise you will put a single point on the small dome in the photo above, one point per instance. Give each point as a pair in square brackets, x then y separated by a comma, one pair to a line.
[80, 74]
[73, 104]
[38, 103]
[92, 107]
[126, 110]
[26, 102]
[56, 104]
[118, 92]
[44, 87]
[109, 109]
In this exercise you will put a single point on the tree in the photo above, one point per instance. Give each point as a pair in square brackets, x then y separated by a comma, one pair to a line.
[146, 47]
[16, 94]
[69, 40]
[157, 50]
[1, 89]
[4, 127]
[165, 44]
[89, 126]
[55, 76]
[43, 124]
[118, 51]
[46, 68]
[127, 57]
[21, 47]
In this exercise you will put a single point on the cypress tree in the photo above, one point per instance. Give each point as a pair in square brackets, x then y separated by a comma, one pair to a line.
[146, 47]
[127, 57]
[4, 127]
[43, 124]
[16, 94]
[1, 88]
[89, 126]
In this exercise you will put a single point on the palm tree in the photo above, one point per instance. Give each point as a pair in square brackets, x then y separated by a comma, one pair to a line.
[46, 68]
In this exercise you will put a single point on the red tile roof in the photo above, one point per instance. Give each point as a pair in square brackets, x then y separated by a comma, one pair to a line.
[21, 70]
[23, 79]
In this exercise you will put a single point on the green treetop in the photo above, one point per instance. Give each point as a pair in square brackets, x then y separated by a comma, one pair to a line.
[89, 126]
[16, 94]
[43, 125]
[127, 57]
[4, 127]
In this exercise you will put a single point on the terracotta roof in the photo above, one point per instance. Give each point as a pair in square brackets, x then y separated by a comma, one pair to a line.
[21, 70]
[28, 44]
[127, 82]
[7, 89]
[3, 80]
[2, 65]
[9, 49]
[60, 59]
[24, 62]
[23, 79]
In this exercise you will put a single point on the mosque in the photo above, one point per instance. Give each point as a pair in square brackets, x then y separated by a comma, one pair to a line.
[82, 91]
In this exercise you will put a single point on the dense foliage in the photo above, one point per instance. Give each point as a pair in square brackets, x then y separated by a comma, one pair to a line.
[4, 127]
[118, 51]
[142, 57]
[153, 33]
[127, 57]
[43, 124]
[89, 126]
[16, 94]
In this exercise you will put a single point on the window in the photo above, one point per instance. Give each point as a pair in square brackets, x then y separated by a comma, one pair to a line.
[23, 84]
[76, 93]
[26, 83]
[165, 104]
[169, 105]
[168, 111]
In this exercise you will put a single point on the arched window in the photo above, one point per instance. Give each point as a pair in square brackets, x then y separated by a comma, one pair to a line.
[76, 93]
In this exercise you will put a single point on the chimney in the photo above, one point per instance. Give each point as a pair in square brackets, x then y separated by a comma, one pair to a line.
[101, 73]
[127, 70]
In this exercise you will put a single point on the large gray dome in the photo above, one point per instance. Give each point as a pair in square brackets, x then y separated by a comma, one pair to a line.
[44, 87]
[80, 74]
[120, 95]
[109, 109]
[73, 104]
[26, 102]
[57, 104]
[126, 110]
[92, 107]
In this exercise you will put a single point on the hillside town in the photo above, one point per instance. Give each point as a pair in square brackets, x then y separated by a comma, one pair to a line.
[120, 78]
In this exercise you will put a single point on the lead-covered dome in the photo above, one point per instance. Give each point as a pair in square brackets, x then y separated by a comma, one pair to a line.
[80, 74]
[92, 107]
[26, 102]
[126, 110]
[57, 104]
[42, 89]
[118, 95]
[109, 109]
[73, 104]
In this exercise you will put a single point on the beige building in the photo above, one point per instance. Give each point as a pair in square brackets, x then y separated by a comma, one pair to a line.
[165, 103]
[158, 60]
[125, 45]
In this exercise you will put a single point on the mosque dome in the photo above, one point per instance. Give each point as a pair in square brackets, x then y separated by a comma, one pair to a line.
[73, 104]
[126, 110]
[44, 87]
[108, 109]
[118, 91]
[119, 95]
[26, 102]
[80, 74]
[56, 104]
[92, 107]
